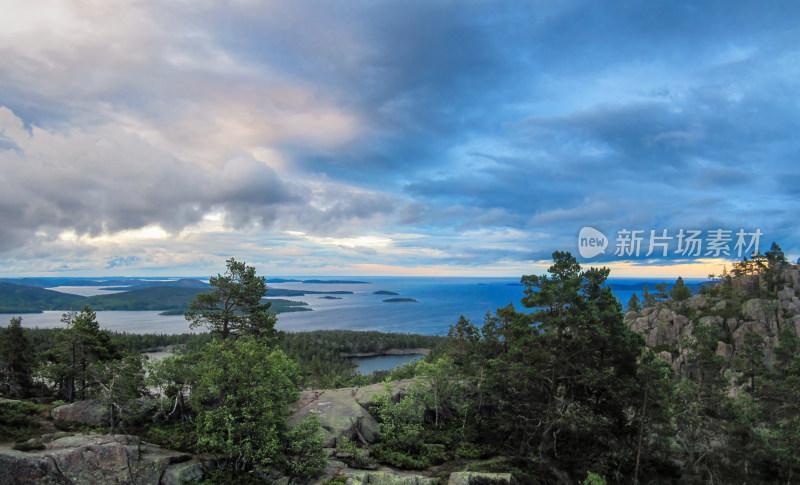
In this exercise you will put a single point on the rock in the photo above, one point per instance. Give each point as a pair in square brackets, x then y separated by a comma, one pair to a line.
[387, 478]
[344, 413]
[83, 412]
[725, 351]
[753, 310]
[180, 473]
[479, 478]
[340, 416]
[96, 459]
[366, 395]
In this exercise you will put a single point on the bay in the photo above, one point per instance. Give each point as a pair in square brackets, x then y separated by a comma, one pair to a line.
[439, 303]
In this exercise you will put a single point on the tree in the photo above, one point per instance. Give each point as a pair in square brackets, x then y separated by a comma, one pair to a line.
[776, 263]
[235, 306]
[633, 304]
[174, 377]
[244, 388]
[561, 380]
[120, 383]
[680, 291]
[648, 300]
[81, 344]
[16, 360]
[661, 291]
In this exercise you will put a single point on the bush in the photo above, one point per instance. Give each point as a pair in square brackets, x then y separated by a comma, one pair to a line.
[359, 458]
[303, 452]
[17, 419]
[28, 445]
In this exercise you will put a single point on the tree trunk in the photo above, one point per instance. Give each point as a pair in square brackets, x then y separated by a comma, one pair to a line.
[641, 432]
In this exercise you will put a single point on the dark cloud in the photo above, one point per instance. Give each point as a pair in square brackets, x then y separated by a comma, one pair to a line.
[434, 118]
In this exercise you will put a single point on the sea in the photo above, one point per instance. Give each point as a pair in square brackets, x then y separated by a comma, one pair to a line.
[439, 302]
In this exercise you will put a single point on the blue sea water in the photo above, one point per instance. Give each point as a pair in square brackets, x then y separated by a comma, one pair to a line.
[439, 303]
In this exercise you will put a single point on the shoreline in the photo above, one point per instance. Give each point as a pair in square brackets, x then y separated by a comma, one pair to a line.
[359, 355]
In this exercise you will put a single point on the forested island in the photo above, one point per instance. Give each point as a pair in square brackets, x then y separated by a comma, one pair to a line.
[682, 388]
[170, 297]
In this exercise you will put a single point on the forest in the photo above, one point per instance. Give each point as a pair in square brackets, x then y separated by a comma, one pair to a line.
[681, 388]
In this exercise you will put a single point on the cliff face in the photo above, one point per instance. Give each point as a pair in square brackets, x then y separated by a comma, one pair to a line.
[668, 327]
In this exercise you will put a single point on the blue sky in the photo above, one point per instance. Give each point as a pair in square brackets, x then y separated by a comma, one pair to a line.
[415, 138]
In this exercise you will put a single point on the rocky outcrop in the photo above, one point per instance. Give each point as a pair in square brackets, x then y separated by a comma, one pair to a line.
[98, 459]
[345, 413]
[479, 478]
[83, 412]
[669, 326]
[387, 478]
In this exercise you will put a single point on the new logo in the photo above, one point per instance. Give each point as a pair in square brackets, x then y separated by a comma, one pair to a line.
[591, 242]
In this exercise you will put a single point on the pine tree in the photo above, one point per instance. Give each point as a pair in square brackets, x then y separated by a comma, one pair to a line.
[633, 304]
[235, 306]
[16, 361]
[680, 291]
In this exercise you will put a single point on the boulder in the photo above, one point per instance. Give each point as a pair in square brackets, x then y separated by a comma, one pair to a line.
[366, 395]
[345, 413]
[479, 478]
[97, 459]
[82, 412]
[387, 478]
[339, 415]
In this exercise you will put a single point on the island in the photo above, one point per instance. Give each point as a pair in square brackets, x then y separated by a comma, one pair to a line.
[328, 297]
[384, 292]
[400, 300]
[336, 282]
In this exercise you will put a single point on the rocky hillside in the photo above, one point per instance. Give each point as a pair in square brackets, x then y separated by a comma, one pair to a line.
[734, 307]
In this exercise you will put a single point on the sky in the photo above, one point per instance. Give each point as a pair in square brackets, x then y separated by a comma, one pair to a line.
[392, 138]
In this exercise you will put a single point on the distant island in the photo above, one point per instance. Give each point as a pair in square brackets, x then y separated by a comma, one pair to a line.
[336, 282]
[328, 297]
[171, 300]
[400, 300]
[384, 292]
[181, 283]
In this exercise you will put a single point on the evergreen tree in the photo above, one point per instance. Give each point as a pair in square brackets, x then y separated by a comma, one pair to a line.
[235, 306]
[81, 344]
[680, 291]
[244, 388]
[661, 291]
[120, 382]
[16, 359]
[633, 304]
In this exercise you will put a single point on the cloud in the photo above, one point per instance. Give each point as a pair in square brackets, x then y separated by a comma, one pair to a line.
[228, 124]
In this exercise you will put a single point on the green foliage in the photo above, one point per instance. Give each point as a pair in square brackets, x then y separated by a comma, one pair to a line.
[633, 304]
[171, 435]
[680, 291]
[17, 419]
[230, 477]
[400, 432]
[593, 478]
[235, 306]
[557, 384]
[16, 359]
[302, 449]
[75, 349]
[119, 383]
[244, 388]
[648, 299]
[661, 293]
[338, 479]
[28, 445]
[353, 455]
[173, 377]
